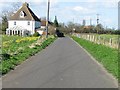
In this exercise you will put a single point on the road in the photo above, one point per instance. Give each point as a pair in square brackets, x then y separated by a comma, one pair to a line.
[63, 64]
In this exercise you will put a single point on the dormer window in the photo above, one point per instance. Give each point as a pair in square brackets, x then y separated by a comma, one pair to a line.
[22, 14]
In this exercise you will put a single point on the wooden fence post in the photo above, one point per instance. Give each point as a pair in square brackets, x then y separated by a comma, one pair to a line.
[104, 41]
[98, 40]
[110, 42]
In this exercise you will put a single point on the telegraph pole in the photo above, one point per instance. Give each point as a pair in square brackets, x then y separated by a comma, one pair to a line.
[48, 9]
[90, 22]
[97, 19]
[97, 22]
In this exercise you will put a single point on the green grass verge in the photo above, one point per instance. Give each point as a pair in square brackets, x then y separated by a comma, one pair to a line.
[9, 64]
[105, 55]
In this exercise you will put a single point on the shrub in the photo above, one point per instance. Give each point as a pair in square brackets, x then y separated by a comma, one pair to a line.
[5, 56]
[36, 34]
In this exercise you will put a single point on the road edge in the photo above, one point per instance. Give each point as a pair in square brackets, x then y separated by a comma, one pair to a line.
[99, 64]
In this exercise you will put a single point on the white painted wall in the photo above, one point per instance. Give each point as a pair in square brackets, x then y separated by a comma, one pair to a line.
[43, 27]
[40, 32]
[23, 24]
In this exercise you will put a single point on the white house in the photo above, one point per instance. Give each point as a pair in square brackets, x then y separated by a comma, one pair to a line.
[43, 24]
[23, 22]
[42, 30]
[43, 27]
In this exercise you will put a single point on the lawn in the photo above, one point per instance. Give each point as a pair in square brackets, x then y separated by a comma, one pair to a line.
[7, 38]
[16, 49]
[108, 57]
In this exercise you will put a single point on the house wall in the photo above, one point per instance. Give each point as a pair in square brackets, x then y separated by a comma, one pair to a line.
[37, 24]
[23, 24]
[40, 32]
[43, 27]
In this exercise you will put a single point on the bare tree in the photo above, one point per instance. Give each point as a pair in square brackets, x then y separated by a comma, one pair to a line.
[16, 5]
[6, 13]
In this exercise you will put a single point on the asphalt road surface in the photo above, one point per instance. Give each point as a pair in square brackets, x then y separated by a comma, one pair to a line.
[63, 64]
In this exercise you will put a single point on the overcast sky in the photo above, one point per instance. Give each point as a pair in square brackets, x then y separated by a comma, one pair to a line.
[74, 10]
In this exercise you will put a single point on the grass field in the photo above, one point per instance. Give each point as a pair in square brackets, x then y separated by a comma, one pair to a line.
[105, 36]
[109, 36]
[104, 39]
[108, 57]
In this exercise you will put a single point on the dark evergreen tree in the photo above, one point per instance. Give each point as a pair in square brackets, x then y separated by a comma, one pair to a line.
[56, 22]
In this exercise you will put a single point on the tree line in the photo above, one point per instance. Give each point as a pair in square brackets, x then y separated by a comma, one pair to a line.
[78, 28]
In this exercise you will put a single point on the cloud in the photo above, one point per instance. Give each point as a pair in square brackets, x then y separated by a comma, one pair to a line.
[79, 8]
[91, 0]
[59, 1]
[5, 7]
[84, 10]
[110, 4]
[101, 1]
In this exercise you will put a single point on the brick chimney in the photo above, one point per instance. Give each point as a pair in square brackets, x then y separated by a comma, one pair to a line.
[26, 4]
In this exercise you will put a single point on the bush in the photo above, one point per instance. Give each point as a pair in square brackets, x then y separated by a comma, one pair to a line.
[5, 56]
[36, 34]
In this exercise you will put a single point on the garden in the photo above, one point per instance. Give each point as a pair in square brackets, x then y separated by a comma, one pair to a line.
[16, 49]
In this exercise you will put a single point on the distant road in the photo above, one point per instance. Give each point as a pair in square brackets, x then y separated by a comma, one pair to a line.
[63, 64]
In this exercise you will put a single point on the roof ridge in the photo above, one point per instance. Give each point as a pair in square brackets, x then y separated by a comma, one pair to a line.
[33, 14]
[30, 15]
[29, 12]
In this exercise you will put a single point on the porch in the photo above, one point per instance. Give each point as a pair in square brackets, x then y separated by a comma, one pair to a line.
[18, 30]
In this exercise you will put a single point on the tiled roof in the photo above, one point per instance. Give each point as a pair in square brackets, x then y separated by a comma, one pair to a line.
[29, 15]
[43, 23]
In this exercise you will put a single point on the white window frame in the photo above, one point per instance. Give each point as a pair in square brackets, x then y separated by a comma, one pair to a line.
[14, 22]
[28, 23]
[22, 14]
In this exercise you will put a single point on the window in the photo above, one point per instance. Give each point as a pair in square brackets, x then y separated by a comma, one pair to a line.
[28, 23]
[22, 14]
[14, 23]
